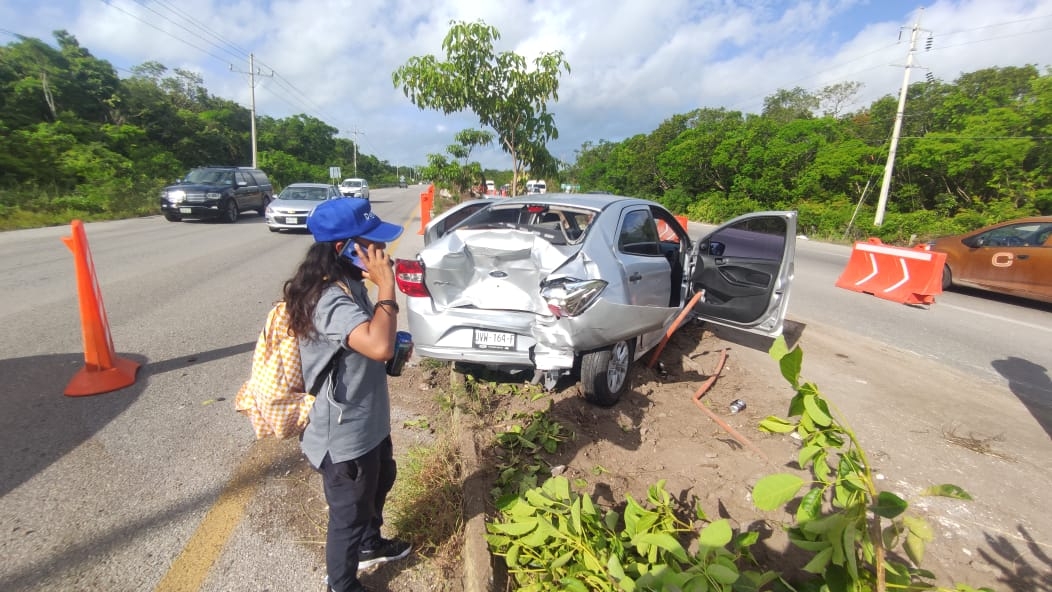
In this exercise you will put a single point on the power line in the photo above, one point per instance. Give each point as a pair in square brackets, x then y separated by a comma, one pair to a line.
[149, 24]
[187, 29]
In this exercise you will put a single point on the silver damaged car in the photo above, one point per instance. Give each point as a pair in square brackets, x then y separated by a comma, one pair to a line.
[585, 284]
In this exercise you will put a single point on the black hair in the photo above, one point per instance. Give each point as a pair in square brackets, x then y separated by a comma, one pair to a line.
[321, 267]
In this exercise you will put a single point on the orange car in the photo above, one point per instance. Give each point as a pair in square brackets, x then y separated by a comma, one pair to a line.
[1012, 257]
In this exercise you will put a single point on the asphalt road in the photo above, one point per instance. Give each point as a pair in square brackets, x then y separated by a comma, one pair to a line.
[145, 488]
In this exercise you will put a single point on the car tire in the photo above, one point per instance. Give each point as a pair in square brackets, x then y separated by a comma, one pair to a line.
[263, 207]
[947, 278]
[171, 218]
[604, 373]
[231, 213]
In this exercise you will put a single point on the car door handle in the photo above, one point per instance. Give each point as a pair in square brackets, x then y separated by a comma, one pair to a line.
[1022, 256]
[635, 277]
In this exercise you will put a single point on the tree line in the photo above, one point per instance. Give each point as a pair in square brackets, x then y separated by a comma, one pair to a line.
[972, 152]
[78, 141]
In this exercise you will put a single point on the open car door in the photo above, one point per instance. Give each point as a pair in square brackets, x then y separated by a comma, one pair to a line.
[745, 268]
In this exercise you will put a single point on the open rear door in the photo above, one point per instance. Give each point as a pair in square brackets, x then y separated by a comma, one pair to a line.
[745, 268]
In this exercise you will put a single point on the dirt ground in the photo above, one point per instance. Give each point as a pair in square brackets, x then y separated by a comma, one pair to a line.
[658, 431]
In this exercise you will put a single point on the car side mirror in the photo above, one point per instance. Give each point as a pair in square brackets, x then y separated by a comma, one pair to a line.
[973, 242]
[716, 249]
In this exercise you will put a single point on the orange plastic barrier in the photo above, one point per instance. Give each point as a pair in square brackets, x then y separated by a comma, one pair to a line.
[683, 221]
[907, 276]
[103, 371]
[427, 201]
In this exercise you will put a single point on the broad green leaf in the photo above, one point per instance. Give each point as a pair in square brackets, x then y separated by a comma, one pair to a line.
[722, 573]
[947, 490]
[789, 362]
[819, 562]
[816, 408]
[775, 490]
[573, 585]
[561, 560]
[662, 541]
[919, 527]
[716, 534]
[810, 506]
[806, 454]
[512, 558]
[776, 425]
[515, 528]
[849, 550]
[889, 505]
[746, 539]
[914, 547]
[614, 568]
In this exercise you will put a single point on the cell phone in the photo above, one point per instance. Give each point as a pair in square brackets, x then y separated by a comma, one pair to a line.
[349, 252]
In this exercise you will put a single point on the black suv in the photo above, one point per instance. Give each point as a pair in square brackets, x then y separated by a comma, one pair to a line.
[217, 192]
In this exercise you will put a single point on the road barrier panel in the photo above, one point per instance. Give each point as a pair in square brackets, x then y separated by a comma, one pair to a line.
[899, 274]
[427, 202]
[103, 370]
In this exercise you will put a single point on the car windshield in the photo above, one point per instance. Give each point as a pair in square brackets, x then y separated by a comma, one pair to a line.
[210, 176]
[352, 183]
[305, 194]
[558, 225]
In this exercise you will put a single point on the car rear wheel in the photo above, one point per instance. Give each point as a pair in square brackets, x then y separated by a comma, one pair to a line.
[947, 277]
[231, 214]
[263, 207]
[604, 373]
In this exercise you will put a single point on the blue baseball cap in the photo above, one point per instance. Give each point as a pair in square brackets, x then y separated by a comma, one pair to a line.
[349, 217]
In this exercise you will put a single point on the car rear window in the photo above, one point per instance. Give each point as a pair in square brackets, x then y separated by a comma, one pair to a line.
[557, 224]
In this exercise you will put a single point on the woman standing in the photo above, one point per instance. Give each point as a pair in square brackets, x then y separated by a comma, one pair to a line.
[344, 343]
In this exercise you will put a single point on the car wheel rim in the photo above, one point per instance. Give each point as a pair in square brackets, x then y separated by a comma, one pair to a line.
[618, 368]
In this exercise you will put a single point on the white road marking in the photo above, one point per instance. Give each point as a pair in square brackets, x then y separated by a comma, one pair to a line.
[999, 318]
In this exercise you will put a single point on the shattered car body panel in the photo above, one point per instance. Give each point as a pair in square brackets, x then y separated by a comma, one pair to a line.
[561, 282]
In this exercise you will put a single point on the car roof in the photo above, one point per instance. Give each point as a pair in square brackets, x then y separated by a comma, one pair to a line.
[595, 201]
[307, 185]
[353, 179]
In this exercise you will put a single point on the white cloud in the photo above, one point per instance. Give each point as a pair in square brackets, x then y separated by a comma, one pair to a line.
[634, 64]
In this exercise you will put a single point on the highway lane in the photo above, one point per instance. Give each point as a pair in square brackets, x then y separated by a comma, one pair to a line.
[105, 492]
[996, 338]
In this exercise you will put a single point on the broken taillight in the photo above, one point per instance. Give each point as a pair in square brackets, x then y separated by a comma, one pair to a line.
[569, 297]
[409, 275]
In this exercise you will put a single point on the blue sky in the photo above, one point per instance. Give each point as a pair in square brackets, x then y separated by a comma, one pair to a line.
[634, 63]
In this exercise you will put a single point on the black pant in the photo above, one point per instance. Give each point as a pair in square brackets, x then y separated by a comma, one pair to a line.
[356, 491]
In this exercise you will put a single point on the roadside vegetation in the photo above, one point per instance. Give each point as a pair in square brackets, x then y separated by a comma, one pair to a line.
[547, 533]
[78, 141]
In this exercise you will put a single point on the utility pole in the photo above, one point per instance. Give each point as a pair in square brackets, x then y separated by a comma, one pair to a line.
[889, 166]
[252, 73]
[355, 133]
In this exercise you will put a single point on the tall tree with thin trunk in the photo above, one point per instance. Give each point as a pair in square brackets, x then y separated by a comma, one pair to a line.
[506, 94]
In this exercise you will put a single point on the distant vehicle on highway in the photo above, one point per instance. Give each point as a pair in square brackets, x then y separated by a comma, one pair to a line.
[355, 188]
[292, 206]
[216, 192]
[1012, 257]
[401, 182]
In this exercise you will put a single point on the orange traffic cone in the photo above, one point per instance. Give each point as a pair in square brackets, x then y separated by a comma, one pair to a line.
[103, 371]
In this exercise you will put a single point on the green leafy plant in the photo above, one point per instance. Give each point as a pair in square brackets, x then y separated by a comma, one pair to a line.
[849, 525]
[522, 444]
[554, 539]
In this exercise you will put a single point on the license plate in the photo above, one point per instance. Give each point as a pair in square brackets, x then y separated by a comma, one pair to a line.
[493, 340]
[185, 211]
[292, 220]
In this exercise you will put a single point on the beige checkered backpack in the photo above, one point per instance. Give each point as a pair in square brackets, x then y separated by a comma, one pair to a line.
[274, 397]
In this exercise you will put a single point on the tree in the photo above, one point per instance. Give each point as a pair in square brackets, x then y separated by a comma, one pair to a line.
[507, 96]
[786, 105]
